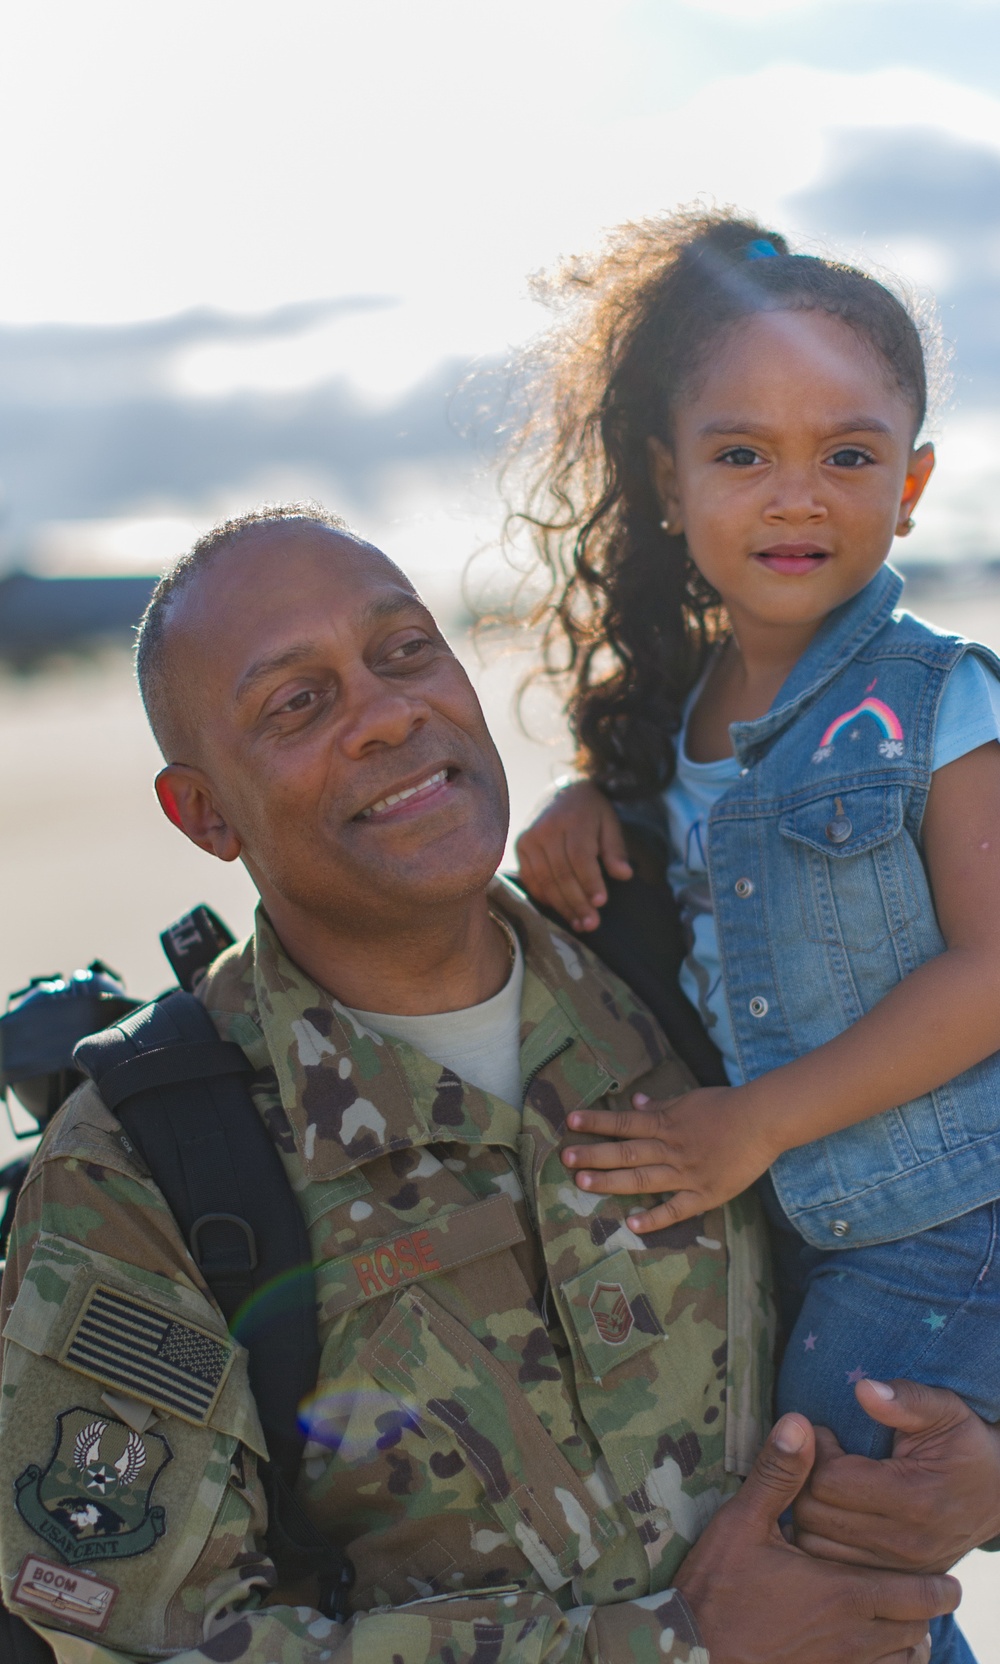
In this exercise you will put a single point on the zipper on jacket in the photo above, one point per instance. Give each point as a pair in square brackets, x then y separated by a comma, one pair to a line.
[536, 1071]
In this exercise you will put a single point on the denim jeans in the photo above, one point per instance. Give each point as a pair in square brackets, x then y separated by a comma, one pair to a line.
[926, 1307]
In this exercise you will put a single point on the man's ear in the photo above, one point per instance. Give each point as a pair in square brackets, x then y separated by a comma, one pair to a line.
[663, 473]
[185, 796]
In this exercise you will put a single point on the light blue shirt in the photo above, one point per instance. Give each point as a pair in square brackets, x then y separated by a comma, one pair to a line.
[969, 716]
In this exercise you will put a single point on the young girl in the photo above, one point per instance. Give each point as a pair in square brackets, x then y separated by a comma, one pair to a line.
[731, 448]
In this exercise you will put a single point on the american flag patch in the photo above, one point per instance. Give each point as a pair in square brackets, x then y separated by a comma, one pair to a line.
[142, 1350]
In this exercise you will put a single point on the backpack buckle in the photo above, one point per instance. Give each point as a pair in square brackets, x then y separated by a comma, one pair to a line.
[224, 1260]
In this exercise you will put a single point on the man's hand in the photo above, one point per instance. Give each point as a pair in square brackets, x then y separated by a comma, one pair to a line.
[758, 1600]
[703, 1147]
[935, 1498]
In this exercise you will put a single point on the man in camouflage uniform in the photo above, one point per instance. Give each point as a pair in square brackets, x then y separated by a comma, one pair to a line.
[525, 1416]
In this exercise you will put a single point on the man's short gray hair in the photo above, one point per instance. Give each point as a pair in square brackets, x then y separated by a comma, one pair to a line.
[151, 656]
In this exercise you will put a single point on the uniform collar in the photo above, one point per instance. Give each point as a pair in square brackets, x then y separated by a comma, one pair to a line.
[351, 1095]
[836, 643]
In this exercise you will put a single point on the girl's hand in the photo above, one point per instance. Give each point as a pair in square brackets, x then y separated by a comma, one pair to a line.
[559, 855]
[700, 1146]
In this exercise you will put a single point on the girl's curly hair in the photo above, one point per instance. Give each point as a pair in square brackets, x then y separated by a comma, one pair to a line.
[628, 618]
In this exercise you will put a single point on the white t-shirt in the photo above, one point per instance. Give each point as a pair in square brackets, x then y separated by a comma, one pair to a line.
[968, 716]
[481, 1044]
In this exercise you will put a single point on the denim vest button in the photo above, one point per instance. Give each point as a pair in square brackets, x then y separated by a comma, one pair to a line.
[839, 829]
[840, 1227]
[743, 888]
[758, 1006]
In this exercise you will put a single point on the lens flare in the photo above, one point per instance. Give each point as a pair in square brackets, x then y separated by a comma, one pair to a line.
[357, 1425]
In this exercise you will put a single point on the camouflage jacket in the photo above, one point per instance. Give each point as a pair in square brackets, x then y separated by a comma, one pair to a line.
[524, 1415]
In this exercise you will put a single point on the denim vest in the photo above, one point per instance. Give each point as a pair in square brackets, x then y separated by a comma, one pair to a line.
[823, 904]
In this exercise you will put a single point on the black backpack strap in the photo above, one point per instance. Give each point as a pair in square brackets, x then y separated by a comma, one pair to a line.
[182, 1098]
[193, 942]
[19, 1643]
[641, 938]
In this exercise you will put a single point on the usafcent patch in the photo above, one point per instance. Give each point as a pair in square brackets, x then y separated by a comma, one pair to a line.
[64, 1596]
[93, 1500]
[143, 1350]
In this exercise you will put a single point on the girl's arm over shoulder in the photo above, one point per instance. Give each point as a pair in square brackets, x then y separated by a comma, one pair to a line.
[560, 854]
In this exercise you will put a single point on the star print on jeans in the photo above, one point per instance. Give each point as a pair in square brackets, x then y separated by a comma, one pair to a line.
[935, 1321]
[856, 1375]
[809, 1344]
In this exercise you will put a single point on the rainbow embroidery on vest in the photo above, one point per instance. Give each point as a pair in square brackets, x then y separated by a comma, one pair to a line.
[891, 744]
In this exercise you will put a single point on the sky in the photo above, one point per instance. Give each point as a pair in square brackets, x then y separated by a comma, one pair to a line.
[250, 249]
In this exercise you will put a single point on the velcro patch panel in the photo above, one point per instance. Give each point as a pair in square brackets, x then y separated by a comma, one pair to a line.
[143, 1350]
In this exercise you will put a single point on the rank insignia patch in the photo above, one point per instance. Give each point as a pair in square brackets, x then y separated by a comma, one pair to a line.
[143, 1350]
[612, 1313]
[92, 1501]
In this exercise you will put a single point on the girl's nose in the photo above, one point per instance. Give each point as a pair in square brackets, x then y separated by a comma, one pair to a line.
[796, 497]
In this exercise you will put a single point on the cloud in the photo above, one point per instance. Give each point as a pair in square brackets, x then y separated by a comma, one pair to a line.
[752, 10]
[757, 10]
[248, 157]
[911, 181]
[383, 348]
[45, 365]
[92, 425]
[758, 138]
[959, 516]
[340, 397]
[926, 194]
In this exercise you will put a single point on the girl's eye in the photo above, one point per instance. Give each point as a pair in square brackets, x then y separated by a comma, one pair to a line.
[740, 456]
[851, 456]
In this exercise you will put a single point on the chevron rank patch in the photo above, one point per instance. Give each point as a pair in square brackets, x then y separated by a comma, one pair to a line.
[143, 1350]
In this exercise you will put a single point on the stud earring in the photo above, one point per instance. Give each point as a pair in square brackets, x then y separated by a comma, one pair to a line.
[665, 526]
[907, 527]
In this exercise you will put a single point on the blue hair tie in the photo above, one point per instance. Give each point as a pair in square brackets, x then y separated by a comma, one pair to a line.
[761, 249]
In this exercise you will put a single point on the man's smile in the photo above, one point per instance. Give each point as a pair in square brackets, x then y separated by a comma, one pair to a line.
[416, 796]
